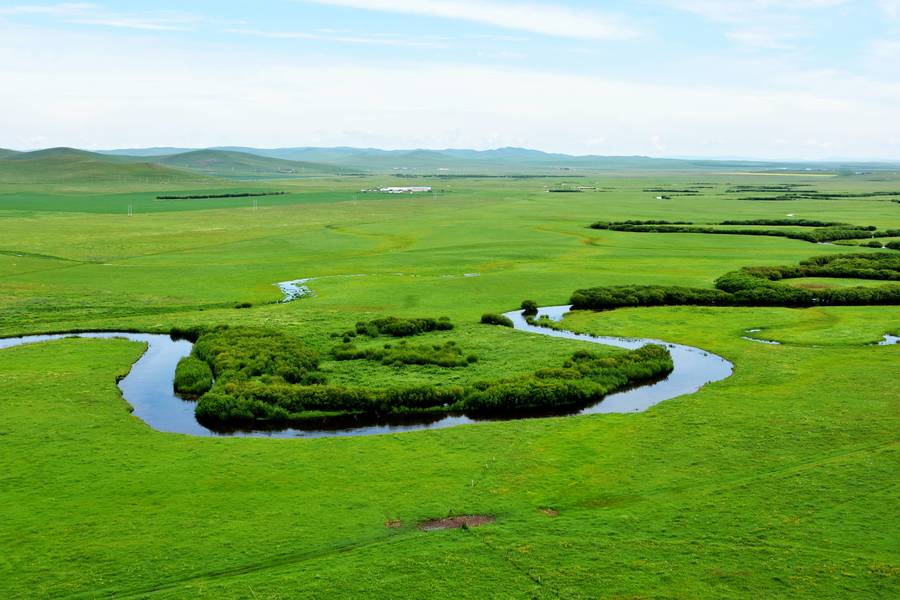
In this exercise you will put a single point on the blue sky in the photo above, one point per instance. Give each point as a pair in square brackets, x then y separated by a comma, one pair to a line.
[755, 78]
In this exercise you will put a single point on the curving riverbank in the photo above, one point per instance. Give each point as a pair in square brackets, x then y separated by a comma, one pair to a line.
[148, 386]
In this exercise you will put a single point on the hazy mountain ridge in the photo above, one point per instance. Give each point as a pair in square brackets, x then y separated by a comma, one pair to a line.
[260, 163]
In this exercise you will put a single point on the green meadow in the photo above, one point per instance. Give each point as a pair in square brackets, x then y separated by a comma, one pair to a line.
[779, 481]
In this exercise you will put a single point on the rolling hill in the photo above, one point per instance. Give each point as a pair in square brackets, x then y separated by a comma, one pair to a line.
[71, 166]
[227, 163]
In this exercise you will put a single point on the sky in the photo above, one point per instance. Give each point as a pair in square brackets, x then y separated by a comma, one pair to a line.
[776, 79]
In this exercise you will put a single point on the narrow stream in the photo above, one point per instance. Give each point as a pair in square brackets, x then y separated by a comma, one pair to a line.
[148, 386]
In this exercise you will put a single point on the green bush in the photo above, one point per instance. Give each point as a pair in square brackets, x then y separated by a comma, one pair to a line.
[495, 319]
[584, 378]
[193, 377]
[248, 352]
[529, 307]
[763, 286]
[446, 355]
[402, 327]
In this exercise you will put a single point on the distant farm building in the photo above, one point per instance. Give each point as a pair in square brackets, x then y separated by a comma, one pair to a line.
[405, 190]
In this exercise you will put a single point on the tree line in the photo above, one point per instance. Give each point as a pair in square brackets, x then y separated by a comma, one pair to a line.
[763, 286]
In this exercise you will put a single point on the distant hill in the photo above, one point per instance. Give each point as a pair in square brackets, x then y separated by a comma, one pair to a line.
[269, 163]
[144, 152]
[511, 160]
[71, 166]
[63, 153]
[5, 153]
[227, 163]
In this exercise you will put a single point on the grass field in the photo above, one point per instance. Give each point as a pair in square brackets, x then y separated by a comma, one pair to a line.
[780, 481]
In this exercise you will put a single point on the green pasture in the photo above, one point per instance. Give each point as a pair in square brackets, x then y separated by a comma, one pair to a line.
[780, 481]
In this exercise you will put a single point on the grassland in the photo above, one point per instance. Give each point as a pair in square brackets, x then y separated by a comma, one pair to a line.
[778, 481]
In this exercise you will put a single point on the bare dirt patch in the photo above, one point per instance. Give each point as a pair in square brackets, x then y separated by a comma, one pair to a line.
[550, 512]
[393, 523]
[456, 522]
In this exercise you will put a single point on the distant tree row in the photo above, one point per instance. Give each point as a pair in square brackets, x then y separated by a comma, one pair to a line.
[818, 234]
[762, 286]
[207, 196]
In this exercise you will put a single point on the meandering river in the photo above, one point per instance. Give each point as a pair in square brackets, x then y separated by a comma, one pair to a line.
[148, 386]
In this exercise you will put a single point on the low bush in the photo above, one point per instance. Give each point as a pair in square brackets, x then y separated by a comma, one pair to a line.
[402, 327]
[446, 355]
[828, 233]
[529, 307]
[584, 378]
[193, 377]
[495, 319]
[787, 222]
[250, 352]
[763, 286]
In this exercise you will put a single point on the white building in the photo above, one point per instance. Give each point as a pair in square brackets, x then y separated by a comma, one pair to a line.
[405, 190]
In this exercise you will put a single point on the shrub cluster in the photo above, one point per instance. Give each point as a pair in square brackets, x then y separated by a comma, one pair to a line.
[238, 353]
[496, 319]
[585, 377]
[206, 196]
[193, 377]
[631, 222]
[529, 308]
[402, 327]
[787, 222]
[816, 235]
[604, 298]
[762, 286]
[442, 355]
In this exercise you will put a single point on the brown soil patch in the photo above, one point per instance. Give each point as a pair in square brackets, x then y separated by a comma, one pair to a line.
[456, 522]
[393, 523]
[550, 512]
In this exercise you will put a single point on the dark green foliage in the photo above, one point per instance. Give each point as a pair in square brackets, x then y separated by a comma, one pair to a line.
[206, 196]
[446, 355]
[816, 235]
[193, 377]
[614, 224]
[495, 319]
[402, 327]
[787, 222]
[584, 378]
[529, 307]
[243, 305]
[761, 286]
[602, 298]
[185, 333]
[248, 352]
[895, 245]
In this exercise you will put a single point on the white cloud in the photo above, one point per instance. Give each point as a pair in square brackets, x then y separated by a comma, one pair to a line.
[760, 38]
[891, 8]
[71, 90]
[92, 14]
[377, 40]
[731, 11]
[546, 19]
[759, 24]
[64, 9]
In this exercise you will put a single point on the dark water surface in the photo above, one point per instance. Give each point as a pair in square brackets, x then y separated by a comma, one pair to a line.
[148, 387]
